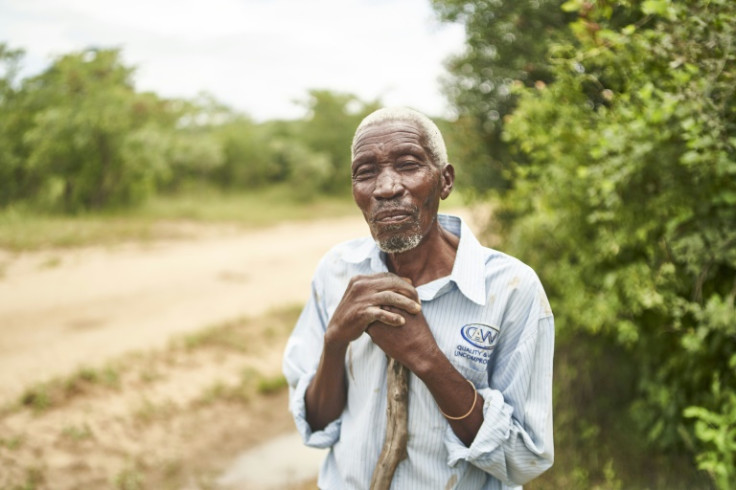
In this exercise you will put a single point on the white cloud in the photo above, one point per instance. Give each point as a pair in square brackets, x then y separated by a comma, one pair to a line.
[255, 55]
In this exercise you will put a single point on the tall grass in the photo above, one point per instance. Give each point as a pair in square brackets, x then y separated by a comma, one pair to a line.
[258, 207]
[22, 228]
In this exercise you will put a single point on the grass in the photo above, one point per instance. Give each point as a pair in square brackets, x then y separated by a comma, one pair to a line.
[236, 335]
[232, 336]
[129, 478]
[252, 208]
[55, 392]
[77, 432]
[50, 263]
[129, 382]
[252, 383]
[241, 392]
[34, 479]
[267, 386]
[11, 443]
[147, 411]
[24, 229]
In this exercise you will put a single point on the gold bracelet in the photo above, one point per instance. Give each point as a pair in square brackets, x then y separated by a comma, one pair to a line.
[475, 399]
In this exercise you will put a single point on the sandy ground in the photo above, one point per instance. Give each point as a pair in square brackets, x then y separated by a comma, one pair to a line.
[63, 309]
[174, 418]
[149, 412]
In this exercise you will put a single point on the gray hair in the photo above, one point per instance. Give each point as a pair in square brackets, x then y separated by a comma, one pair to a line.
[434, 141]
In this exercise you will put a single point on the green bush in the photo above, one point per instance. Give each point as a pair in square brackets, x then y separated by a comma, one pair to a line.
[89, 140]
[625, 202]
[79, 137]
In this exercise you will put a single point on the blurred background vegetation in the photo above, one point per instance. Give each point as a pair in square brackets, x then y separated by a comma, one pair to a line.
[603, 135]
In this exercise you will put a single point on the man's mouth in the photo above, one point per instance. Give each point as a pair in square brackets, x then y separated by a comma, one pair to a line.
[392, 216]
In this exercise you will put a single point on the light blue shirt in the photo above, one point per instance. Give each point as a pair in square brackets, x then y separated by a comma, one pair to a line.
[492, 319]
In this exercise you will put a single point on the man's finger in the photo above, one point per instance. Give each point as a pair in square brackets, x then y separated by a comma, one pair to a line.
[402, 285]
[378, 314]
[396, 300]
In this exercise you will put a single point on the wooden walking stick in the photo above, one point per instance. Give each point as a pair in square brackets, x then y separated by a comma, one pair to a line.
[397, 430]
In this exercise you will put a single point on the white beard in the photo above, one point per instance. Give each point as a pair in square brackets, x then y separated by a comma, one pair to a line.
[398, 244]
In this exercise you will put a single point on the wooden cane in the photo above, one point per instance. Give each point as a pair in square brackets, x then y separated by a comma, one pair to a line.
[397, 431]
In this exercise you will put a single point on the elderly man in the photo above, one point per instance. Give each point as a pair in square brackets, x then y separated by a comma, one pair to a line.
[472, 324]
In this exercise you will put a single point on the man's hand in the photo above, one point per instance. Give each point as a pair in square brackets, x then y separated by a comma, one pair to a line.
[412, 344]
[367, 300]
[384, 298]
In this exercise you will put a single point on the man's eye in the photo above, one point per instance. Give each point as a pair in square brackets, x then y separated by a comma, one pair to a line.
[362, 173]
[408, 165]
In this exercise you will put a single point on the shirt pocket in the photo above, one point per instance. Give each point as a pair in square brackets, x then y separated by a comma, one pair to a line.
[472, 367]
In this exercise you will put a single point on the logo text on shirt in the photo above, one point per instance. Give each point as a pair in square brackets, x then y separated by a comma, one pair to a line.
[482, 339]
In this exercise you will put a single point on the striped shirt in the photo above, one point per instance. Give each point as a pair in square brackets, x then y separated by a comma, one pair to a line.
[492, 320]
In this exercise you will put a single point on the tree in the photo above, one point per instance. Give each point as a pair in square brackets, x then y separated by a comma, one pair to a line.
[506, 43]
[625, 202]
[93, 141]
[14, 180]
[251, 156]
[328, 129]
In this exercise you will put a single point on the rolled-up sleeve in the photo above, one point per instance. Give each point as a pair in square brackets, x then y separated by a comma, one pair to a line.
[301, 358]
[515, 443]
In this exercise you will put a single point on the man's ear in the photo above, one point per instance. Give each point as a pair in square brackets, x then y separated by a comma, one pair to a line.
[448, 180]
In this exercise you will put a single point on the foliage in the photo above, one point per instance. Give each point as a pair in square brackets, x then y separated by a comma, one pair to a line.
[624, 200]
[10, 163]
[90, 140]
[250, 156]
[79, 137]
[506, 42]
[328, 130]
[311, 172]
[718, 432]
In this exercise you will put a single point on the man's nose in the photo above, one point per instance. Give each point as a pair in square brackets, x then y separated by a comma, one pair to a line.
[388, 185]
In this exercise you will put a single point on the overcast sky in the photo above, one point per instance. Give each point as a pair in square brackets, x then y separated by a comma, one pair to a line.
[257, 56]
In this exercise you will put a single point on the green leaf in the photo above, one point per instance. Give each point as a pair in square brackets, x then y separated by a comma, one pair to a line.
[657, 7]
[572, 5]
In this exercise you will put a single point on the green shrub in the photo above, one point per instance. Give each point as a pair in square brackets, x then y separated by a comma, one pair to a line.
[625, 203]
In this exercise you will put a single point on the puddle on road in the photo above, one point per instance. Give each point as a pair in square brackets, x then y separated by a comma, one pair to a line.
[280, 464]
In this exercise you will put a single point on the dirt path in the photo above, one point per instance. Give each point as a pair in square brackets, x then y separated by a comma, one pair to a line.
[146, 412]
[60, 310]
[173, 418]
[63, 309]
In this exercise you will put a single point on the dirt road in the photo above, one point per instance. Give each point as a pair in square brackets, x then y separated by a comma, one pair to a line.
[63, 309]
[60, 310]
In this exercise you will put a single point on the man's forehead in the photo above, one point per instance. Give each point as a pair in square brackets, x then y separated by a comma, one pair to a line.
[389, 134]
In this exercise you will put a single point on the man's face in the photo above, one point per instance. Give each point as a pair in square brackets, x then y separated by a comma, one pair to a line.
[396, 184]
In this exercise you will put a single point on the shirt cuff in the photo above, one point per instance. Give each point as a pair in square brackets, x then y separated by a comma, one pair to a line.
[493, 431]
[324, 438]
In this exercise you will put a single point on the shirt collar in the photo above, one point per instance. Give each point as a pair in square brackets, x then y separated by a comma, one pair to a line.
[468, 271]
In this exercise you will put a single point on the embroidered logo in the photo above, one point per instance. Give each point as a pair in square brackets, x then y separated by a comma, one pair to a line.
[480, 335]
[482, 339]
